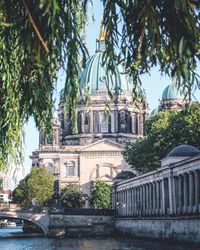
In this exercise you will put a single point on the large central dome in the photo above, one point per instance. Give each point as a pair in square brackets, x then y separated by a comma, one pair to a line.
[119, 119]
[96, 78]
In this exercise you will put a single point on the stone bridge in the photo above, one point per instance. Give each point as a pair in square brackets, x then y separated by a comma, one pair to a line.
[37, 215]
[57, 221]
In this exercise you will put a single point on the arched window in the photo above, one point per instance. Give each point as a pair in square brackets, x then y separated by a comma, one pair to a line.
[79, 122]
[70, 168]
[50, 167]
[122, 121]
[87, 123]
[96, 122]
[104, 123]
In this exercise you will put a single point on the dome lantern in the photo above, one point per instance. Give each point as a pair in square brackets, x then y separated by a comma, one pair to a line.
[100, 42]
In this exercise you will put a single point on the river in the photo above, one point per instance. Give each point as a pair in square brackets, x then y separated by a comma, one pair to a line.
[101, 243]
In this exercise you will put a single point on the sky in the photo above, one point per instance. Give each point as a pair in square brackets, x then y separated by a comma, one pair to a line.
[153, 84]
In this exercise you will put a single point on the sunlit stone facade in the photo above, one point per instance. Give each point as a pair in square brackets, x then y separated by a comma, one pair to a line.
[104, 125]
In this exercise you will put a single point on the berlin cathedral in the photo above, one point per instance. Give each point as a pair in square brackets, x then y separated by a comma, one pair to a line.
[95, 152]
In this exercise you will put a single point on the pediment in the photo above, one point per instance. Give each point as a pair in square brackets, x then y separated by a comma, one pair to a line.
[103, 145]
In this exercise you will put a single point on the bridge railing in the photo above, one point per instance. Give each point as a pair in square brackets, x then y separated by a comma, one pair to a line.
[10, 207]
[81, 211]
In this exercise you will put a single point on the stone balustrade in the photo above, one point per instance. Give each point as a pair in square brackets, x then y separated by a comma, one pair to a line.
[171, 190]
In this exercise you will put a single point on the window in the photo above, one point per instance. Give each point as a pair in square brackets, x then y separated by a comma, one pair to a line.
[50, 167]
[87, 123]
[135, 124]
[96, 122]
[122, 121]
[70, 169]
[79, 122]
[104, 123]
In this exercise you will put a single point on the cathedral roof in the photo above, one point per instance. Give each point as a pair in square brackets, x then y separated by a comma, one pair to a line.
[171, 93]
[95, 77]
[154, 111]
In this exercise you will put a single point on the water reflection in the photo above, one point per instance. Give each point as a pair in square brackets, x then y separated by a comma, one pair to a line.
[102, 243]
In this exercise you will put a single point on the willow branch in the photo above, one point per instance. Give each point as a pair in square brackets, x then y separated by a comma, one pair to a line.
[35, 27]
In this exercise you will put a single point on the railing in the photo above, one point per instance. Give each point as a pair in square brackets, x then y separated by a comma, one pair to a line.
[81, 211]
[10, 207]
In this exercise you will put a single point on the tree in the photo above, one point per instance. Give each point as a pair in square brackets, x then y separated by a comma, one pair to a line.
[37, 185]
[101, 195]
[71, 197]
[165, 131]
[1, 183]
[37, 38]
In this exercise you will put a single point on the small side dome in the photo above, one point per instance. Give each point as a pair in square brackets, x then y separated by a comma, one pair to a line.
[171, 93]
[123, 175]
[62, 94]
[184, 151]
[154, 112]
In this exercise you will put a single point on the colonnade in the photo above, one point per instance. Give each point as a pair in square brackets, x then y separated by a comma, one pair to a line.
[173, 194]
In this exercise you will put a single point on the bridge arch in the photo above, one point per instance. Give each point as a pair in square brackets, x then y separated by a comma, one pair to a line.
[41, 220]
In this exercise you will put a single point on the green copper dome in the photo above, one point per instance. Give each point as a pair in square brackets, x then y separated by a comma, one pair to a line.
[154, 112]
[171, 93]
[95, 77]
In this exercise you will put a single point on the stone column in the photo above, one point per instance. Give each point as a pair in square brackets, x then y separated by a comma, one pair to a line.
[186, 189]
[144, 199]
[113, 122]
[154, 198]
[163, 197]
[180, 193]
[171, 193]
[140, 200]
[82, 121]
[134, 201]
[191, 191]
[91, 122]
[197, 190]
[151, 198]
[147, 199]
[121, 202]
[176, 195]
[125, 203]
[129, 201]
[158, 197]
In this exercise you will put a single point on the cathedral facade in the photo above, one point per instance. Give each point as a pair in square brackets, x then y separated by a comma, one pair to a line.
[105, 125]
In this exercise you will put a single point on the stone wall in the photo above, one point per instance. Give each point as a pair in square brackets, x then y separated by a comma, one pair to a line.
[81, 225]
[177, 229]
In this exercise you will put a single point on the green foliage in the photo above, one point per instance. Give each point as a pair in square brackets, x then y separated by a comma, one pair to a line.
[71, 197]
[1, 183]
[165, 131]
[38, 184]
[154, 33]
[37, 38]
[101, 195]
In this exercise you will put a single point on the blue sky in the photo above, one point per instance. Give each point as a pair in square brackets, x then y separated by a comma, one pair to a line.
[153, 84]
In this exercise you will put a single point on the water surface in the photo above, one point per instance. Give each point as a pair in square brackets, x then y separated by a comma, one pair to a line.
[94, 243]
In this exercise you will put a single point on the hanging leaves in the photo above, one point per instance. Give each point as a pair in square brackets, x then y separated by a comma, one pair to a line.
[155, 33]
[38, 37]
